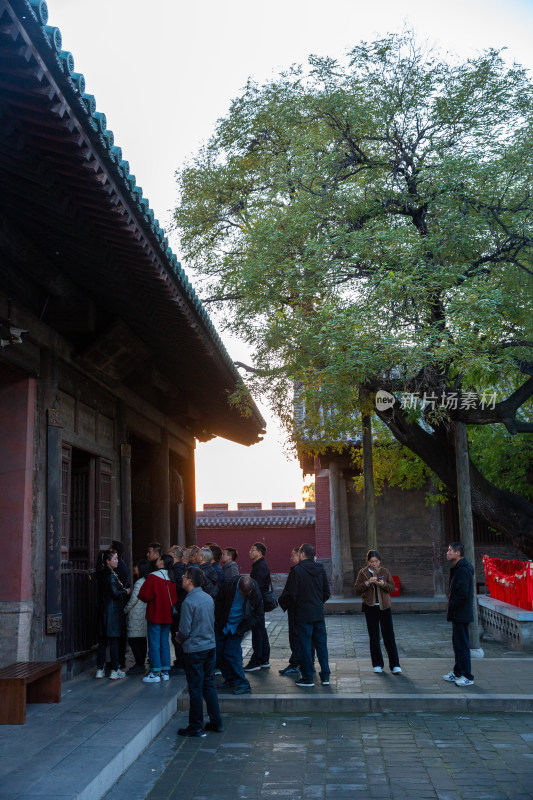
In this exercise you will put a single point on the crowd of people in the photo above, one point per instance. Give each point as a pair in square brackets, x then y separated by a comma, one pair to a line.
[197, 598]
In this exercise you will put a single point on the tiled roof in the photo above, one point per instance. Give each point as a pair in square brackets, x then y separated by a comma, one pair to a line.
[61, 120]
[96, 121]
[268, 520]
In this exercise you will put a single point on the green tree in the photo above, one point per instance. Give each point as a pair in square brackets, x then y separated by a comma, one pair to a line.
[367, 225]
[308, 492]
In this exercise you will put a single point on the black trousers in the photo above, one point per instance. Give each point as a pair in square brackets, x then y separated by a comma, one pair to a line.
[377, 618]
[122, 644]
[461, 649]
[200, 672]
[113, 642]
[138, 646]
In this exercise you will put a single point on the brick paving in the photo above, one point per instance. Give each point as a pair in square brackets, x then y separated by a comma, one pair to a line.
[417, 636]
[345, 756]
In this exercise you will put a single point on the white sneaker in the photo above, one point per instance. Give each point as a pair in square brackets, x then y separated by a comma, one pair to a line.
[165, 676]
[100, 673]
[152, 678]
[451, 677]
[396, 670]
[116, 674]
[378, 669]
[464, 681]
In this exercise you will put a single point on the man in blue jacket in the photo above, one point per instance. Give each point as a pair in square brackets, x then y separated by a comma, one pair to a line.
[460, 613]
[306, 591]
[239, 608]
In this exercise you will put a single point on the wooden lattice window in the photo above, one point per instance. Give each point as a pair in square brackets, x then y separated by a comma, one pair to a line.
[79, 519]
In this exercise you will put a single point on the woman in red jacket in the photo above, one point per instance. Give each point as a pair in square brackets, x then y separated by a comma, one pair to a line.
[159, 593]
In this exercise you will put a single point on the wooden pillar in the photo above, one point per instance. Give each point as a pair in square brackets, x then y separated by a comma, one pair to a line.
[54, 619]
[181, 525]
[466, 525]
[126, 518]
[161, 492]
[189, 501]
[368, 477]
[335, 529]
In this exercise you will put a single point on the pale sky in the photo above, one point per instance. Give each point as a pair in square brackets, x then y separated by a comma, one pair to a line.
[164, 71]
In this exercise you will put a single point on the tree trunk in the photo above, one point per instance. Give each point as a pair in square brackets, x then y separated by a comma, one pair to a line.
[368, 477]
[508, 513]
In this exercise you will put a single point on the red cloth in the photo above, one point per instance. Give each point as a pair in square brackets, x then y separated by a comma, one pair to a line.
[510, 581]
[159, 594]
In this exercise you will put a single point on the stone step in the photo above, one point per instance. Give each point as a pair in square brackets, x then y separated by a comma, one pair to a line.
[400, 605]
[307, 701]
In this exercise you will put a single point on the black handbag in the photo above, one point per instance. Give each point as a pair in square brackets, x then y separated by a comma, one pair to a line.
[270, 600]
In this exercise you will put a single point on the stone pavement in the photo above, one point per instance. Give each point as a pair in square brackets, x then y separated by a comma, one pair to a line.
[342, 757]
[417, 636]
[76, 750]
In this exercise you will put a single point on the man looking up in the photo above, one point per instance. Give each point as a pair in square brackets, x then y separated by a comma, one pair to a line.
[229, 563]
[197, 637]
[217, 555]
[204, 559]
[460, 613]
[306, 593]
[260, 644]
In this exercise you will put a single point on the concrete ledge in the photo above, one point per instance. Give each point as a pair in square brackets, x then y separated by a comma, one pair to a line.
[400, 605]
[512, 612]
[367, 703]
[506, 623]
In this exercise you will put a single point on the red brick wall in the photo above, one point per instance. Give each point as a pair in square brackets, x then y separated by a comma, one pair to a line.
[278, 541]
[17, 407]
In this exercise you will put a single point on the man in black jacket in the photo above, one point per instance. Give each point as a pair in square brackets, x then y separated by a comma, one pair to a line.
[460, 613]
[306, 591]
[238, 609]
[293, 667]
[260, 572]
[204, 559]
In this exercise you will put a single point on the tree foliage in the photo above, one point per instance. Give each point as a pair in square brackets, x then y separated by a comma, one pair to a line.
[366, 225]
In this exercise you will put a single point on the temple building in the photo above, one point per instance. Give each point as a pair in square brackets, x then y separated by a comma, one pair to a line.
[110, 368]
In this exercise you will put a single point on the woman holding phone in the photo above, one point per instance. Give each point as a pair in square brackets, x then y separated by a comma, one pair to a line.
[374, 583]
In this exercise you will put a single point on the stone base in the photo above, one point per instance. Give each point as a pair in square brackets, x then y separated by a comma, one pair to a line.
[15, 624]
[506, 623]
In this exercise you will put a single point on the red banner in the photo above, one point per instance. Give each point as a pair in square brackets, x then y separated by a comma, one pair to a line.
[510, 581]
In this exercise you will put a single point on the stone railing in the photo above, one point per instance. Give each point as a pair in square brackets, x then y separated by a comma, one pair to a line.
[506, 623]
